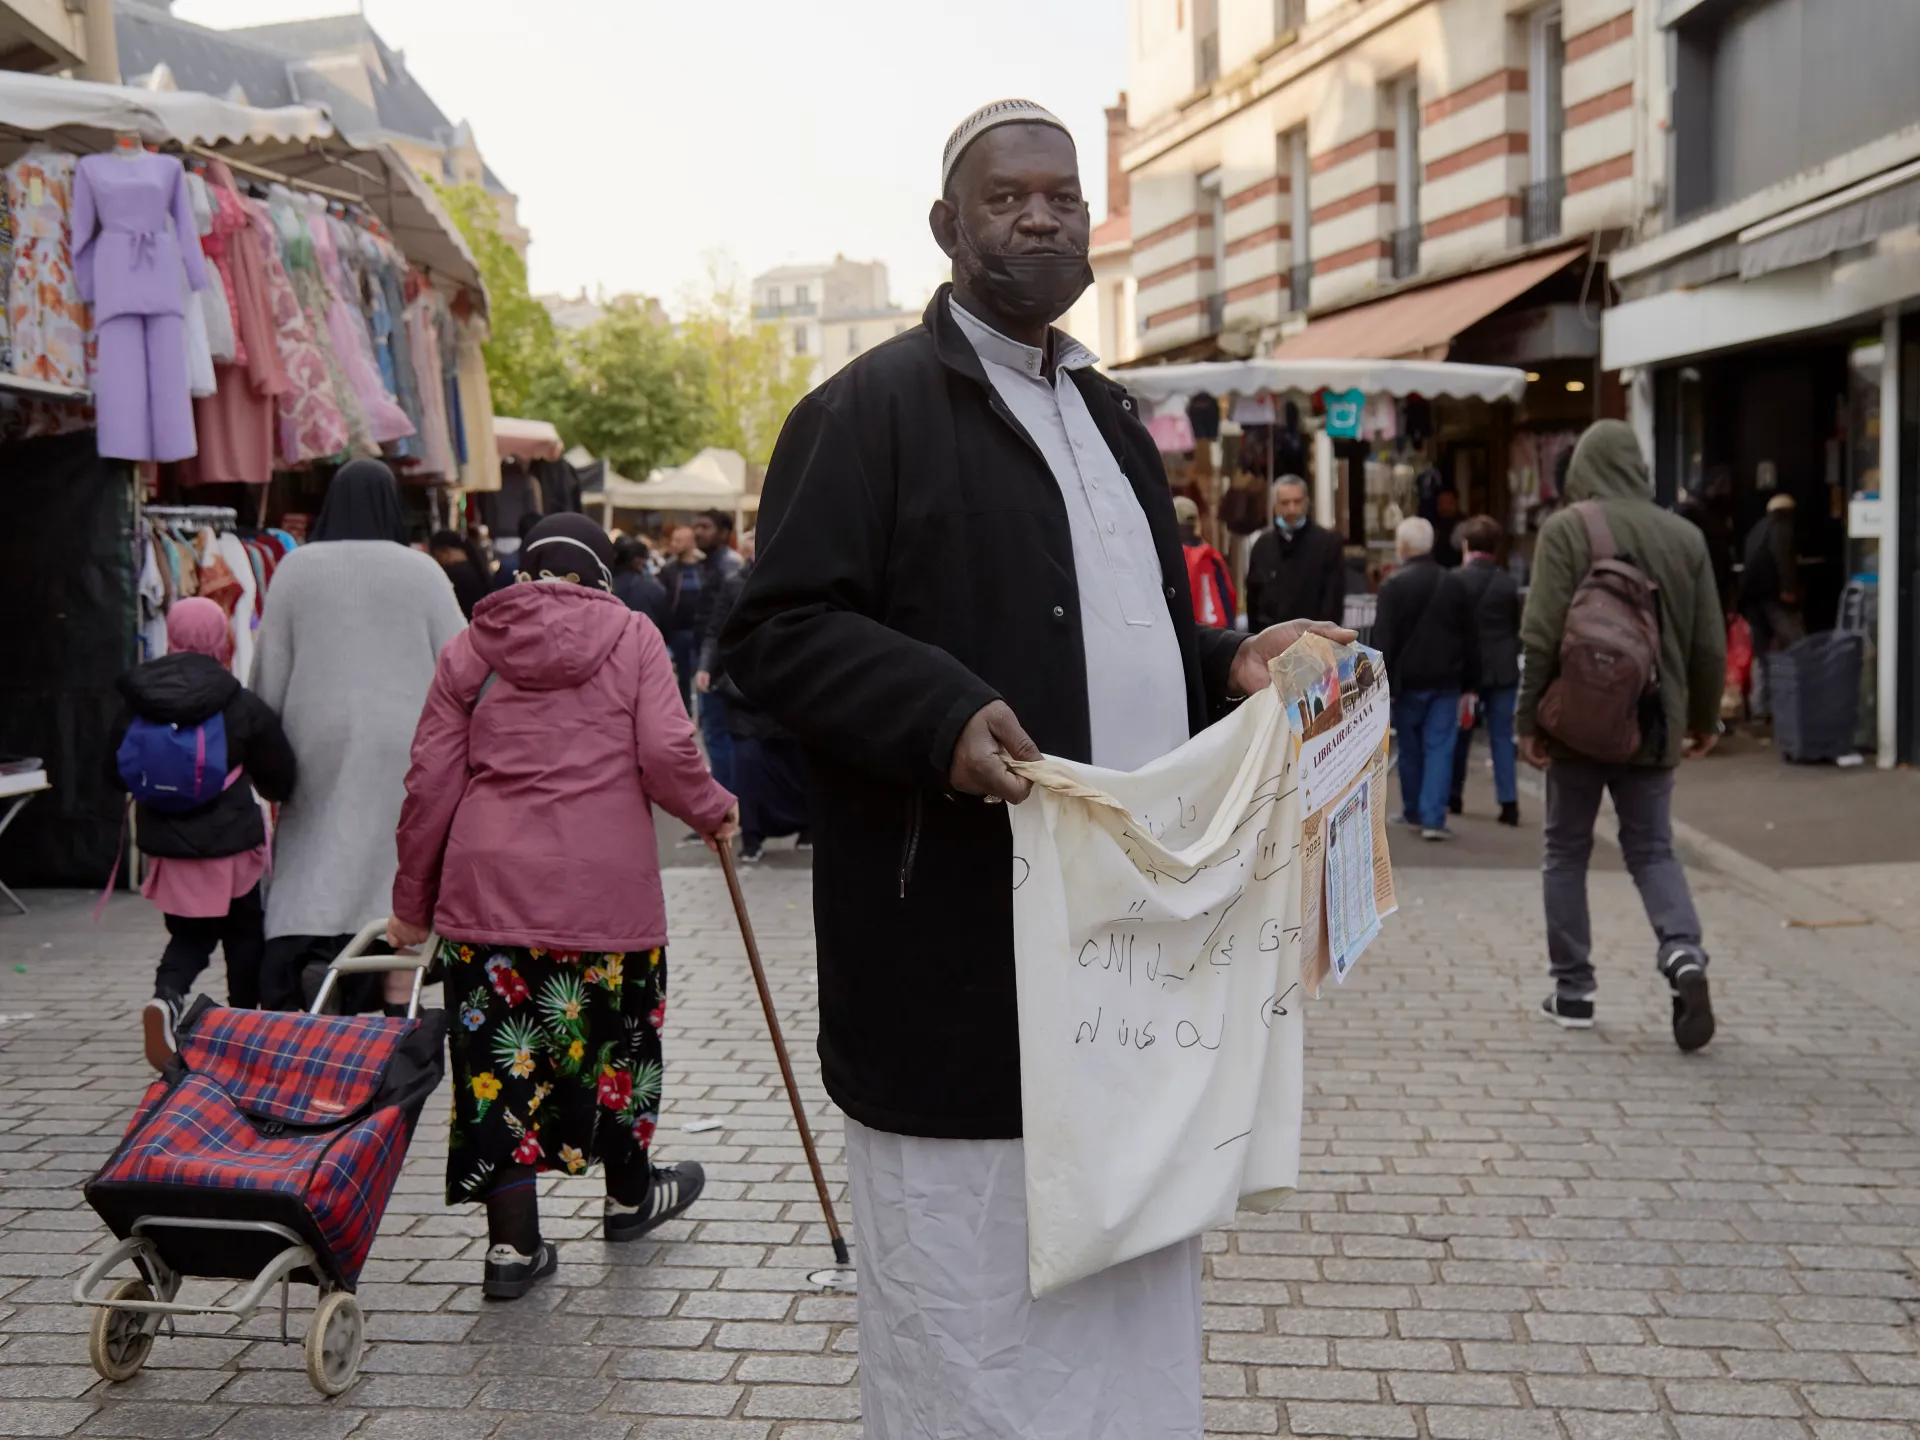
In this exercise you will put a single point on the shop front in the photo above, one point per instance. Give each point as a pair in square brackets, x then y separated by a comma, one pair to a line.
[1782, 404]
[207, 312]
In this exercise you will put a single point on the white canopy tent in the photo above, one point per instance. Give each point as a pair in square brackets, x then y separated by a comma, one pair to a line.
[1157, 384]
[714, 479]
[293, 142]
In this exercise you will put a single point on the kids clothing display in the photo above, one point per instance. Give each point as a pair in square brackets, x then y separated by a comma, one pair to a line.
[136, 250]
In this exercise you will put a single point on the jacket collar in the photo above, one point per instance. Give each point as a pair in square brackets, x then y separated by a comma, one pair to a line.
[955, 349]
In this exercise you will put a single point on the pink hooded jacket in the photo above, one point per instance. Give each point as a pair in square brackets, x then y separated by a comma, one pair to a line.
[527, 819]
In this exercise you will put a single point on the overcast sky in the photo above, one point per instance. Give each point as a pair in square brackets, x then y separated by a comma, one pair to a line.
[641, 135]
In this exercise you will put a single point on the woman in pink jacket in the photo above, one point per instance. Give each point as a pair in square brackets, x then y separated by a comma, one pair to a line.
[526, 842]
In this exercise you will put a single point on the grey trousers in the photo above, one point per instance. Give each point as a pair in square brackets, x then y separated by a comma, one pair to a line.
[1643, 800]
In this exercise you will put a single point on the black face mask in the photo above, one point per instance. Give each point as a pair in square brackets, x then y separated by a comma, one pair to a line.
[1039, 288]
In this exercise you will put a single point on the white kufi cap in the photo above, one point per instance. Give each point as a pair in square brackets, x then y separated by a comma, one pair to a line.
[1000, 112]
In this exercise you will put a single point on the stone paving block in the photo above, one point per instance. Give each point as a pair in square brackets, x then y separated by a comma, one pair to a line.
[428, 1425]
[42, 1417]
[1452, 1422]
[1578, 1392]
[1390, 1421]
[265, 1422]
[146, 1420]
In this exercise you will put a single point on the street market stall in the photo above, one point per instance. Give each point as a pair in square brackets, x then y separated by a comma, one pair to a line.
[322, 305]
[1363, 432]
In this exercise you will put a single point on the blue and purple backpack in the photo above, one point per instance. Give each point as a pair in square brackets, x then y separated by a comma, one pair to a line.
[174, 767]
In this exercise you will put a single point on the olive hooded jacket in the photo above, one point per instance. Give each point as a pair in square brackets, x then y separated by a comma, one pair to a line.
[1607, 466]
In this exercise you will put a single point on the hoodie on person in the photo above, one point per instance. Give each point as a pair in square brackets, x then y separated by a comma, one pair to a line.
[1607, 466]
[528, 818]
[185, 689]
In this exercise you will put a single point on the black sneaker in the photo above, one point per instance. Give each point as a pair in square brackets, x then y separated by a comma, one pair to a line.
[1456, 805]
[1568, 1014]
[1510, 813]
[803, 841]
[1686, 970]
[674, 1188]
[509, 1274]
[157, 1023]
[752, 854]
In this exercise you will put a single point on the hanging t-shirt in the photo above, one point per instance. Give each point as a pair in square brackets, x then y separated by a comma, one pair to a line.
[1343, 413]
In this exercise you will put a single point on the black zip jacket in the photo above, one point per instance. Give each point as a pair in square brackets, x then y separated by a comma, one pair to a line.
[184, 689]
[915, 564]
[1424, 629]
[1493, 595]
[1302, 576]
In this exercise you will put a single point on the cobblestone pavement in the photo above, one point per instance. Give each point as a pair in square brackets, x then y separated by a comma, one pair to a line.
[1503, 1231]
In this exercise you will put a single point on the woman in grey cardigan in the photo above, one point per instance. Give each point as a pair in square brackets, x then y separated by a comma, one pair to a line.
[352, 630]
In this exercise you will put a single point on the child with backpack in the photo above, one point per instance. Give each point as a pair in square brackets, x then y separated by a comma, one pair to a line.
[191, 746]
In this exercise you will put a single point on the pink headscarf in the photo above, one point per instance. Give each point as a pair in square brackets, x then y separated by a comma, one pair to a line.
[199, 625]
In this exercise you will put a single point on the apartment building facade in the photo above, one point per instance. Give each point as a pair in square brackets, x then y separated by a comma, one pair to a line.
[831, 312]
[1293, 158]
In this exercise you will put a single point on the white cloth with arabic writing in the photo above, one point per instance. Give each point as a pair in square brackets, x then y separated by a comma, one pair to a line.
[1156, 933]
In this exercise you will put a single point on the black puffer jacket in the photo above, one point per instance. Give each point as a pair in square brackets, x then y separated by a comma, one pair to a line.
[185, 689]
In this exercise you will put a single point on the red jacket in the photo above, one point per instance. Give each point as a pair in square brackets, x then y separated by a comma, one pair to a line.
[528, 818]
[1211, 585]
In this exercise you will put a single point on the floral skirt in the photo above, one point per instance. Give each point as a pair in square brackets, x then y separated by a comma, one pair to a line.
[556, 1059]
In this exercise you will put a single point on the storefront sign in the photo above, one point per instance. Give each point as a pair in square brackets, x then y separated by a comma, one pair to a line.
[1866, 518]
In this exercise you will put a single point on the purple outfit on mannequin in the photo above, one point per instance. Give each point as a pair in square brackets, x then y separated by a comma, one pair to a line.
[133, 232]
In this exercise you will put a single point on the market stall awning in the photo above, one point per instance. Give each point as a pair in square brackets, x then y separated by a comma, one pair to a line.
[297, 142]
[712, 480]
[1158, 384]
[526, 439]
[1421, 324]
[46, 102]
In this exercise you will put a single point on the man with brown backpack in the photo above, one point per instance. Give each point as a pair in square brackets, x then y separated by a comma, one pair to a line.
[1625, 660]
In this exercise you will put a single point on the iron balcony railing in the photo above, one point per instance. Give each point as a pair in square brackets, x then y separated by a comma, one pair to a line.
[1540, 209]
[1406, 251]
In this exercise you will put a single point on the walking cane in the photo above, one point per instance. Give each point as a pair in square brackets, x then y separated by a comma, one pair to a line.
[842, 1278]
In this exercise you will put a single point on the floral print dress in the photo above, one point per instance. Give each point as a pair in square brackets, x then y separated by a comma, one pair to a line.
[556, 1060]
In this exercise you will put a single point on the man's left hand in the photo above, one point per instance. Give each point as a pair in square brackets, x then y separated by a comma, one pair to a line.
[1250, 662]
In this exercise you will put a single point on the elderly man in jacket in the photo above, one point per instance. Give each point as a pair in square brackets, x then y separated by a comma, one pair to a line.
[1608, 469]
[1424, 629]
[968, 555]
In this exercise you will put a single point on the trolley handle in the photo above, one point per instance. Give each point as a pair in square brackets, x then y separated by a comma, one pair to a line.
[354, 960]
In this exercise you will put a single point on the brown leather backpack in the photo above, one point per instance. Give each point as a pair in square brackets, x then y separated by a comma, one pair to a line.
[1609, 672]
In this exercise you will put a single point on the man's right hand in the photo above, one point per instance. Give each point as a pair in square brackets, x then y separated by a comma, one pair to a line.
[981, 753]
[1533, 750]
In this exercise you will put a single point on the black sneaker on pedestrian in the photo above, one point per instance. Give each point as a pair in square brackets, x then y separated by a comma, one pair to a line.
[803, 841]
[1456, 805]
[1686, 970]
[752, 854]
[1510, 813]
[1436, 833]
[1568, 1014]
[510, 1274]
[693, 837]
[674, 1188]
[157, 1022]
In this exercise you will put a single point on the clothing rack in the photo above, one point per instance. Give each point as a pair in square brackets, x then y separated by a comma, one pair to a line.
[218, 517]
[274, 177]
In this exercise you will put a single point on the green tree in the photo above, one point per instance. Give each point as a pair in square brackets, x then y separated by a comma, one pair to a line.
[636, 392]
[523, 359]
[751, 382]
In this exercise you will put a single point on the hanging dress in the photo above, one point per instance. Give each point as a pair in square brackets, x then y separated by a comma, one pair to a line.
[45, 314]
[236, 423]
[311, 425]
[423, 342]
[316, 302]
[352, 342]
[216, 301]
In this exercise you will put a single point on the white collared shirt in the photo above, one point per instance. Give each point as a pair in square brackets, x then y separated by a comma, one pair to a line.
[1136, 682]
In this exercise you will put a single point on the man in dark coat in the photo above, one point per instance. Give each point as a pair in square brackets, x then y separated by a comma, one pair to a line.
[1494, 596]
[1298, 569]
[968, 555]
[1423, 629]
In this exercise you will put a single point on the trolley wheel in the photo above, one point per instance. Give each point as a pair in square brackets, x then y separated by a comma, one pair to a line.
[336, 1339]
[120, 1340]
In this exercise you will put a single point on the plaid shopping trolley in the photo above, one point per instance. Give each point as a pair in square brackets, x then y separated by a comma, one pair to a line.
[265, 1152]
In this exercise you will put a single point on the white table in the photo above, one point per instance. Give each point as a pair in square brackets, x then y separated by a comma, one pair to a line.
[19, 789]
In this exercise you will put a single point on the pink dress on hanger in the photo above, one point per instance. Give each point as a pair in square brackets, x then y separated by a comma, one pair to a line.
[312, 426]
[352, 342]
[236, 423]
